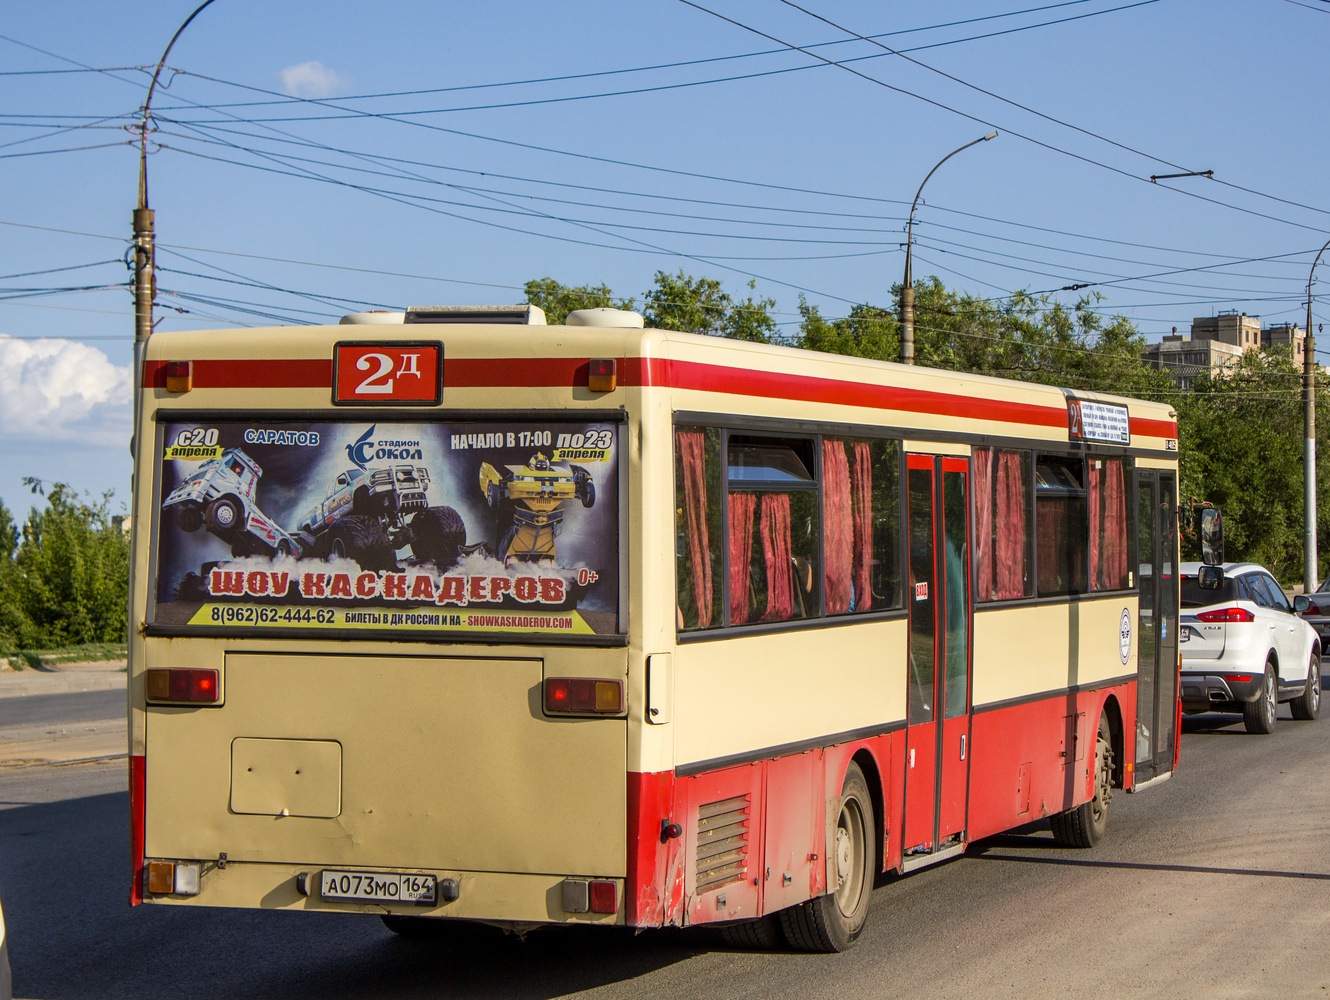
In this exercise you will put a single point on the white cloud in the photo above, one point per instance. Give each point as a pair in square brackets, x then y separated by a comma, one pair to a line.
[62, 390]
[313, 79]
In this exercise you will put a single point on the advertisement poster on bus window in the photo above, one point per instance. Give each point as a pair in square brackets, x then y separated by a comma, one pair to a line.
[412, 528]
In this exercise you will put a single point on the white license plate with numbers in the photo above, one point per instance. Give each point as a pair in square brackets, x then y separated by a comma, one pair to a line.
[377, 887]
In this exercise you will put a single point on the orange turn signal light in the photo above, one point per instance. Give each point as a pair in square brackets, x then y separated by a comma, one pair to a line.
[582, 696]
[179, 376]
[601, 376]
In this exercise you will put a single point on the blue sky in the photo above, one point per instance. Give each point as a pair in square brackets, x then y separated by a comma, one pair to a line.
[311, 159]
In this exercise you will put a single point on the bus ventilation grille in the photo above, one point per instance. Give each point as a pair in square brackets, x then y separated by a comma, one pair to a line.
[722, 842]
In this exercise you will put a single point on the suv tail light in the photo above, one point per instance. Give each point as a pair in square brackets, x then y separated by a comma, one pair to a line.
[1227, 615]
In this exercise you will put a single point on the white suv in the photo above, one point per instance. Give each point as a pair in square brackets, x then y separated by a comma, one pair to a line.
[1245, 650]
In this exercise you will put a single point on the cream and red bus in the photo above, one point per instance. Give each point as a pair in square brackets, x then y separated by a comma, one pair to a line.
[453, 614]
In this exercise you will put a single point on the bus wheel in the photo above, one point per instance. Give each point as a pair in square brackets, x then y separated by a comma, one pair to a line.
[833, 921]
[1084, 826]
[762, 934]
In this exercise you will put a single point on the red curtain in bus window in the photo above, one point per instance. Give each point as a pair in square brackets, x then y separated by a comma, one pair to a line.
[1096, 517]
[741, 547]
[777, 554]
[692, 456]
[1115, 526]
[863, 524]
[1010, 518]
[983, 523]
[839, 527]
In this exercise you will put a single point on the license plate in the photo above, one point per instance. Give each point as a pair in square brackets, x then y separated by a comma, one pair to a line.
[378, 887]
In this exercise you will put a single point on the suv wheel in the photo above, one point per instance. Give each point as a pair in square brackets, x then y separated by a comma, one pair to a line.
[1259, 716]
[1307, 706]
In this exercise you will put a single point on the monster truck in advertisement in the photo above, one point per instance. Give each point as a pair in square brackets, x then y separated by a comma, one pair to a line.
[368, 514]
[220, 497]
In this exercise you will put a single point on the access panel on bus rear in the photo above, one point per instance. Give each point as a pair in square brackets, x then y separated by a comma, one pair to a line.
[443, 763]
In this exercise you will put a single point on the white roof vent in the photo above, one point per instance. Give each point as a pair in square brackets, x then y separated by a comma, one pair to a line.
[604, 316]
[522, 315]
[375, 317]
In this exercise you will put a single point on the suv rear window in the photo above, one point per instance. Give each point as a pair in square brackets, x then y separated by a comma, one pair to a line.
[1194, 597]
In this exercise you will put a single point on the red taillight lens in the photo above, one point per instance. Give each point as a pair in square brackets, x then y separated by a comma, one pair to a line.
[1311, 609]
[1227, 615]
[179, 376]
[1240, 678]
[582, 696]
[183, 685]
[604, 897]
[601, 375]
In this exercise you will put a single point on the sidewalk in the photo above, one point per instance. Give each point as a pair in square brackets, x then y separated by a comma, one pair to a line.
[63, 677]
[54, 743]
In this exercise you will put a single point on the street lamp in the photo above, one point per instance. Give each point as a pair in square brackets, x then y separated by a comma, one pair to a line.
[907, 289]
[144, 254]
[1310, 567]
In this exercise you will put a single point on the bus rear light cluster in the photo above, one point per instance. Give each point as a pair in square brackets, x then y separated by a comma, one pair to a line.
[167, 878]
[590, 896]
[582, 696]
[601, 375]
[183, 686]
[1227, 615]
[179, 376]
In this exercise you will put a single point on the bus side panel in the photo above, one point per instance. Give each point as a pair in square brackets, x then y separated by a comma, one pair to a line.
[654, 886]
[1034, 759]
[722, 843]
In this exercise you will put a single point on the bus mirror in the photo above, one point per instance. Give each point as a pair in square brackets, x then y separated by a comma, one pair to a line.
[1212, 535]
[1210, 577]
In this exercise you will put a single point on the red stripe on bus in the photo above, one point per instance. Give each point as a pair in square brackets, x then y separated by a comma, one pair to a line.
[478, 373]
[138, 785]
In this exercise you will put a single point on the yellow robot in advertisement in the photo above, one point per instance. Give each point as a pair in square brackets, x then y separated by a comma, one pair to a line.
[528, 501]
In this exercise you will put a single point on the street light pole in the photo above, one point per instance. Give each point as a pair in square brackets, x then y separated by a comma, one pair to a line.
[907, 287]
[144, 250]
[1310, 567]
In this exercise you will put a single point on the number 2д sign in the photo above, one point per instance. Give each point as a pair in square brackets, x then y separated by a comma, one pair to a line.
[392, 374]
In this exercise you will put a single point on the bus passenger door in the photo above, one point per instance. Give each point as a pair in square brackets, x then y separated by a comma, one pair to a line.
[1157, 624]
[938, 721]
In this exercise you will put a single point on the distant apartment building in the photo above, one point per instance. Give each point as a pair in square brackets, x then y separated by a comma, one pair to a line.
[1216, 343]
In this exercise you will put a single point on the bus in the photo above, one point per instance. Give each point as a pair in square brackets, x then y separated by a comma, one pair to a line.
[449, 614]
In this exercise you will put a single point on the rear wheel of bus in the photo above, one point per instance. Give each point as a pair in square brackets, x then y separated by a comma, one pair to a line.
[1084, 825]
[832, 922]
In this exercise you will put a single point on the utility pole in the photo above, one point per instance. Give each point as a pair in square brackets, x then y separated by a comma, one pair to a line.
[907, 288]
[145, 282]
[1310, 567]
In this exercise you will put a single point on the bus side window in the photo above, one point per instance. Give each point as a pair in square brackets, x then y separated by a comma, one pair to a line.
[861, 517]
[1002, 519]
[697, 494]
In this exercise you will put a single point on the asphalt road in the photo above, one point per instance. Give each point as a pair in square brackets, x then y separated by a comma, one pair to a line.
[62, 709]
[1214, 884]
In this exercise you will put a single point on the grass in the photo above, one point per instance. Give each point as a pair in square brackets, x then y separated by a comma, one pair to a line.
[36, 659]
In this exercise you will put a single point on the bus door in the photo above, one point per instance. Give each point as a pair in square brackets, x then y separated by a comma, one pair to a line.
[938, 721]
[1157, 624]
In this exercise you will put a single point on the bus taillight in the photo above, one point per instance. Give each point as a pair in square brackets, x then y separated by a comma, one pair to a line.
[183, 685]
[582, 696]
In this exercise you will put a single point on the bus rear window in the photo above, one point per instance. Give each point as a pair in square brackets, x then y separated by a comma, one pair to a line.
[410, 528]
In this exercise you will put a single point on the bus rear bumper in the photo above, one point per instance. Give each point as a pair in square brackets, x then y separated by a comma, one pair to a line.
[496, 897]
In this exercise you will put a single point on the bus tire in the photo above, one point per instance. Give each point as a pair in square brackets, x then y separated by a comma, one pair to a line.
[833, 921]
[1307, 706]
[436, 535]
[760, 934]
[1259, 716]
[1084, 825]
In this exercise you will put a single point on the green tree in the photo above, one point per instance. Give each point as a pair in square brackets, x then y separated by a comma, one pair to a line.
[67, 582]
[700, 305]
[558, 300]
